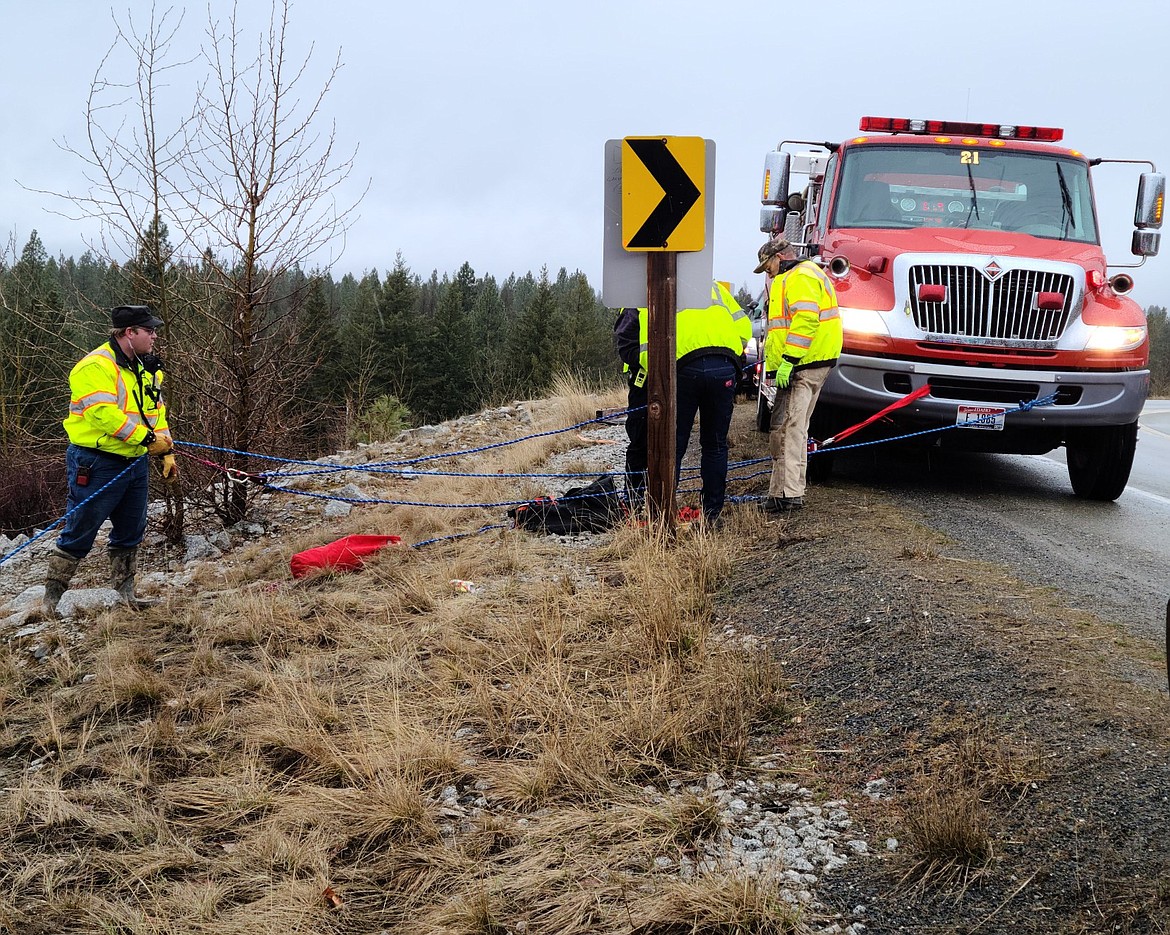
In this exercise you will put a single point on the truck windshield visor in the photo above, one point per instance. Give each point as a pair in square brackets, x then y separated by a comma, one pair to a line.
[905, 186]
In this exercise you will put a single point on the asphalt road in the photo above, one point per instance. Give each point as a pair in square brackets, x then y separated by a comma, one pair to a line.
[1112, 558]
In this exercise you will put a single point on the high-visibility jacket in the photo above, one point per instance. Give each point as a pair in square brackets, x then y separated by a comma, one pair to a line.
[114, 403]
[804, 324]
[721, 328]
[721, 291]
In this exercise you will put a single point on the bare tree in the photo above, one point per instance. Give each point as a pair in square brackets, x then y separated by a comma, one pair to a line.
[246, 186]
[259, 185]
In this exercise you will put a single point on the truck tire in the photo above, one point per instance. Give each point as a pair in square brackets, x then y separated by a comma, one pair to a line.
[763, 413]
[1100, 459]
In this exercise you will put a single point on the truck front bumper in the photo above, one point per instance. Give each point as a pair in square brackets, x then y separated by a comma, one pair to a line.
[868, 384]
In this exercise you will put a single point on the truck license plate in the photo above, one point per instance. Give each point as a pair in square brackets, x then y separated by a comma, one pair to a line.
[980, 417]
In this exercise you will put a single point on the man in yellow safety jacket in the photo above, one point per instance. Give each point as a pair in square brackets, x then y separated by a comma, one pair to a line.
[802, 345]
[116, 417]
[708, 345]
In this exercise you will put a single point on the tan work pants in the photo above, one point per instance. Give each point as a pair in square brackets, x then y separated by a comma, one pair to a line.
[788, 439]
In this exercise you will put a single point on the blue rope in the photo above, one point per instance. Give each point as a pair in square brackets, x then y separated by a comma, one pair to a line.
[420, 460]
[441, 506]
[384, 467]
[459, 535]
[1025, 406]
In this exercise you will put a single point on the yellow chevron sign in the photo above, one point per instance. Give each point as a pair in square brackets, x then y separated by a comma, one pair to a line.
[663, 203]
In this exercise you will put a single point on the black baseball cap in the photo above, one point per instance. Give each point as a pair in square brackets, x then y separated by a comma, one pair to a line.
[135, 316]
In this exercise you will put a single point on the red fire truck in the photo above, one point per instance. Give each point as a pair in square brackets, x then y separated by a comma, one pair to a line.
[967, 258]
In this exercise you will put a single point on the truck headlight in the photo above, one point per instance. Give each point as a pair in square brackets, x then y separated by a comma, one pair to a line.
[863, 321]
[1115, 337]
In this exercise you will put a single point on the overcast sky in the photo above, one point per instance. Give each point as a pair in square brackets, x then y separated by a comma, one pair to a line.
[481, 127]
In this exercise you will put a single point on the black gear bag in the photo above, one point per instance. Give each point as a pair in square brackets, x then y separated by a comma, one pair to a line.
[592, 508]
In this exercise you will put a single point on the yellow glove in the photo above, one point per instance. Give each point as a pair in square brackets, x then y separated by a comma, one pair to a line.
[169, 469]
[784, 373]
[160, 446]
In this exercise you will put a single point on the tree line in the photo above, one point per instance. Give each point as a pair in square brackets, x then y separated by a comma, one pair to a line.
[443, 346]
[319, 363]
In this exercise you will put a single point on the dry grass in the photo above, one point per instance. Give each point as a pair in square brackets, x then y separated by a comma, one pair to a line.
[974, 756]
[720, 906]
[948, 836]
[947, 815]
[377, 752]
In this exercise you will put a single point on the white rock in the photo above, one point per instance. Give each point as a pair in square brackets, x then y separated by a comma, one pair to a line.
[199, 548]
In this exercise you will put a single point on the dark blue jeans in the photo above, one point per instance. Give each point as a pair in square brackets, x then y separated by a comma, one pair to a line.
[124, 486]
[636, 452]
[706, 385]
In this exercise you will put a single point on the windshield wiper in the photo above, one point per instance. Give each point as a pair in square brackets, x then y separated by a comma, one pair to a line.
[974, 198]
[1065, 202]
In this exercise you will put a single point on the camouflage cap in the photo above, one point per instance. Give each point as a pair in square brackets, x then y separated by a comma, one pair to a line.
[770, 249]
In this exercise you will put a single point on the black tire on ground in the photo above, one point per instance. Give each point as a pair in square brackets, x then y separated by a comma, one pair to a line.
[763, 414]
[1100, 459]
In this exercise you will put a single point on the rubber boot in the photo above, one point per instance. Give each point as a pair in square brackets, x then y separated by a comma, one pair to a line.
[123, 569]
[62, 565]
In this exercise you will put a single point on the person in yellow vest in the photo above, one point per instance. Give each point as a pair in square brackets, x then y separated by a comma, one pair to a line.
[708, 345]
[116, 417]
[802, 345]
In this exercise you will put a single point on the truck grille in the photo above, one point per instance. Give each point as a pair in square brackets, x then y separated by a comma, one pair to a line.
[1002, 310]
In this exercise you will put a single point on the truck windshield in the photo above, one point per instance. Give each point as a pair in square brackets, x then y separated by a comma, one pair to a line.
[908, 186]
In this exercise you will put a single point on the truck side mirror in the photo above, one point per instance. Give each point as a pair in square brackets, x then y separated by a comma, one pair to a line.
[776, 168]
[1150, 201]
[772, 218]
[1145, 243]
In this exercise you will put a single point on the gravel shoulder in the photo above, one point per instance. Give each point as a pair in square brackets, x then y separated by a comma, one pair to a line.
[942, 693]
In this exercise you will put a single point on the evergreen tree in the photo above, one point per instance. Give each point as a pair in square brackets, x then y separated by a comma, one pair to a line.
[398, 334]
[36, 360]
[529, 347]
[490, 369]
[581, 340]
[445, 387]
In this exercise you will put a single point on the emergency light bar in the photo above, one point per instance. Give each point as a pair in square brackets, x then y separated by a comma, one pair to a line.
[960, 128]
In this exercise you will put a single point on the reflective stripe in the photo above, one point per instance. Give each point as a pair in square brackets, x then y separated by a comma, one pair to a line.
[78, 406]
[803, 307]
[98, 397]
[828, 314]
[777, 325]
[799, 340]
[126, 429]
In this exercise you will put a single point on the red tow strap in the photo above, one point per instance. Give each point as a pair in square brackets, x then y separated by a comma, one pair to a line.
[923, 390]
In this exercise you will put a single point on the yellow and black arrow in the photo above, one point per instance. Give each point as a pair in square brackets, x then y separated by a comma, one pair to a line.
[659, 192]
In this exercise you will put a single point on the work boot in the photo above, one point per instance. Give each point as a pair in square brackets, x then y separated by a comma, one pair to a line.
[62, 565]
[123, 568]
[781, 505]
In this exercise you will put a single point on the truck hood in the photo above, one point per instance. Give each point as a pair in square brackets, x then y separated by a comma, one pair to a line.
[862, 245]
